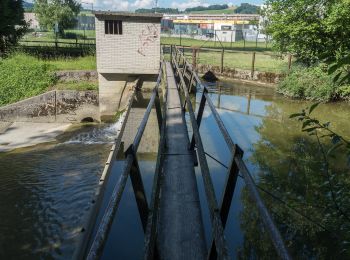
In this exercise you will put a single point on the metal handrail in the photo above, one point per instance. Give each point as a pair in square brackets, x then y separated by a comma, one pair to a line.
[218, 229]
[130, 165]
[237, 157]
[102, 182]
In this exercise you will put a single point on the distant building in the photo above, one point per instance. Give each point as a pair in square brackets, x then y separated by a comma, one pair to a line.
[127, 45]
[223, 27]
[32, 21]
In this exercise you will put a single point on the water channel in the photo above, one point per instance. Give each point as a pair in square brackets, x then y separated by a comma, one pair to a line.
[46, 190]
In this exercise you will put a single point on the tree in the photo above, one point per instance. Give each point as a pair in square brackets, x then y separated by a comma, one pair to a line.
[12, 24]
[62, 12]
[203, 8]
[311, 29]
[158, 10]
[307, 197]
[247, 9]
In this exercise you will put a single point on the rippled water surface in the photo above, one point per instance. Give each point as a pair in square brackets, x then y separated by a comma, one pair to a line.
[46, 192]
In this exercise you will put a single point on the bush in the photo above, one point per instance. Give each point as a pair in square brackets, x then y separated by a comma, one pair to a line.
[23, 76]
[310, 83]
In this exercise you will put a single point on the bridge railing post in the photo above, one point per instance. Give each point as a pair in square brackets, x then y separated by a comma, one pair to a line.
[199, 116]
[253, 65]
[139, 190]
[158, 111]
[230, 185]
[150, 247]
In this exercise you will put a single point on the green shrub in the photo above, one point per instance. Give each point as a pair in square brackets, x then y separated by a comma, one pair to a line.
[310, 83]
[22, 76]
[344, 92]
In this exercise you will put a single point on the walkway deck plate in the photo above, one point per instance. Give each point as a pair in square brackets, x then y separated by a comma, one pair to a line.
[181, 232]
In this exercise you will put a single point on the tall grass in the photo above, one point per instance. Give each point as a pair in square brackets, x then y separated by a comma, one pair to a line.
[23, 76]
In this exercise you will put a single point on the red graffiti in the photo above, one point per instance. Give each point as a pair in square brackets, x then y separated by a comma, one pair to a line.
[147, 36]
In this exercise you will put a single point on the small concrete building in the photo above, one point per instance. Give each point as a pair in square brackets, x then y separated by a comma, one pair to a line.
[127, 48]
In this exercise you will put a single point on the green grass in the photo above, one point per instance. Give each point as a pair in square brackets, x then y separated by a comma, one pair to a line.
[50, 37]
[243, 60]
[223, 11]
[248, 46]
[24, 76]
[81, 63]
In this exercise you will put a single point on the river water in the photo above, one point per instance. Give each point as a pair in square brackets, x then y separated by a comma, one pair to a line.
[46, 191]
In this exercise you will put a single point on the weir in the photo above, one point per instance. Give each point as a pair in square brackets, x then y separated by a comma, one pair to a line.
[172, 221]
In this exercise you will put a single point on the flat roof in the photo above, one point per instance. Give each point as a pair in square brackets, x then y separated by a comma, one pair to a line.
[128, 14]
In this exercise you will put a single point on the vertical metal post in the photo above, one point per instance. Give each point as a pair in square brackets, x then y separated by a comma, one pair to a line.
[253, 65]
[158, 110]
[139, 191]
[222, 61]
[249, 100]
[199, 116]
[230, 185]
[245, 35]
[55, 105]
[171, 52]
[194, 58]
[191, 82]
[214, 38]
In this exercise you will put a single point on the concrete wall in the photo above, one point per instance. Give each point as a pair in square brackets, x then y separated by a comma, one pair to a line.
[54, 106]
[136, 51]
[114, 90]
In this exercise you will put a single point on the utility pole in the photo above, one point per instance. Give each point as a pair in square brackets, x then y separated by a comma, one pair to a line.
[155, 6]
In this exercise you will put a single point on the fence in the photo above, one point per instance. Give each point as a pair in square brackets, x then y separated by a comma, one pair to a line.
[48, 49]
[233, 39]
[222, 59]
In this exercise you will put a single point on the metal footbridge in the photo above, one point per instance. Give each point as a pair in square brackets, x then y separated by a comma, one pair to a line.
[171, 220]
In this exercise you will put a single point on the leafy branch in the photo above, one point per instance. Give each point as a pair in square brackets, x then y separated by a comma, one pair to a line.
[314, 127]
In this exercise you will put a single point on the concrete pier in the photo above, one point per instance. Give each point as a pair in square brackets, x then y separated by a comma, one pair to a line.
[181, 232]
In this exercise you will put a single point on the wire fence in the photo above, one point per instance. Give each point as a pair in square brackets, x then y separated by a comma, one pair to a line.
[222, 60]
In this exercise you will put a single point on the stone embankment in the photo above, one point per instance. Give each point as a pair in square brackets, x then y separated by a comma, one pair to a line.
[246, 75]
[57, 106]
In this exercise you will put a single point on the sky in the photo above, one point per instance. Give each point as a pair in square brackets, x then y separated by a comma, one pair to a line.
[130, 5]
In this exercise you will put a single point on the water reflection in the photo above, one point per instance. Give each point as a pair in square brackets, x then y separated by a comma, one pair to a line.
[45, 193]
[286, 163]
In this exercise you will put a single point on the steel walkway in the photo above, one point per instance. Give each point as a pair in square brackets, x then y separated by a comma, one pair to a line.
[181, 233]
[172, 221]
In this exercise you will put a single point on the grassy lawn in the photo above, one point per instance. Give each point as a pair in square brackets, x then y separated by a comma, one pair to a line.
[42, 37]
[243, 60]
[223, 11]
[24, 76]
[249, 46]
[81, 63]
